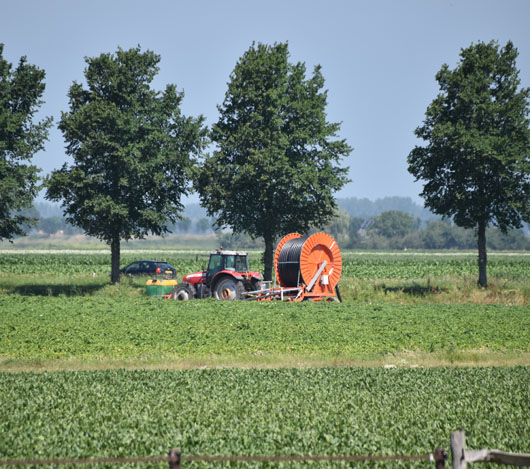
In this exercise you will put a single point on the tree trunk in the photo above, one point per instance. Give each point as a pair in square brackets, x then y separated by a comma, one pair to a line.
[115, 260]
[482, 255]
[268, 258]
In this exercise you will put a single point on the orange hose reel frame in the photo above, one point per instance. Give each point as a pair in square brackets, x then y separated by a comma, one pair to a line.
[318, 248]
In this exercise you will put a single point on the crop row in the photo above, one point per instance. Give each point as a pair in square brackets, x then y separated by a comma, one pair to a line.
[92, 327]
[99, 263]
[354, 265]
[325, 411]
[431, 266]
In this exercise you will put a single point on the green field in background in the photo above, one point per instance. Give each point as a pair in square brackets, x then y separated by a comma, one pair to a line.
[355, 265]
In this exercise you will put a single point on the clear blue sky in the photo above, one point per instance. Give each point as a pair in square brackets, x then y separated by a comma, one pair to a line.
[379, 59]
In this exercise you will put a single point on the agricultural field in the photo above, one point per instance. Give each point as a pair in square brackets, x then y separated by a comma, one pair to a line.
[369, 265]
[367, 277]
[97, 332]
[325, 411]
[415, 351]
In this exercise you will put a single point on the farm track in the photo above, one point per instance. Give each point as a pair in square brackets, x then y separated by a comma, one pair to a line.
[410, 360]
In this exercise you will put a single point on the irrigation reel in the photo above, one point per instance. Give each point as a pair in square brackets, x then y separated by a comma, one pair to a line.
[306, 267]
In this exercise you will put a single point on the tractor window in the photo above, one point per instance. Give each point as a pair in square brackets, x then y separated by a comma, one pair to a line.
[215, 262]
[230, 262]
[241, 264]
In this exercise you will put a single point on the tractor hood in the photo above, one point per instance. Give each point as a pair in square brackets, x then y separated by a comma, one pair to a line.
[194, 278]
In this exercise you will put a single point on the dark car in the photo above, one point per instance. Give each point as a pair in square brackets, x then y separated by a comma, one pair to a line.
[149, 268]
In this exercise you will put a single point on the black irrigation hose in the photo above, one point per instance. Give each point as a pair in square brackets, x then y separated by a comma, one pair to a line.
[289, 262]
[337, 291]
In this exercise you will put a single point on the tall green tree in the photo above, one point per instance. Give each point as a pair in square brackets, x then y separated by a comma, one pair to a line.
[476, 164]
[395, 224]
[276, 166]
[21, 90]
[132, 151]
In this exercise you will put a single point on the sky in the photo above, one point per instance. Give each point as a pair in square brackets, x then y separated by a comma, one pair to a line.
[379, 59]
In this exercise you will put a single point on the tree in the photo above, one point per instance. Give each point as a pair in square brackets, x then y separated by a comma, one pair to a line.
[345, 229]
[132, 150]
[183, 225]
[21, 91]
[203, 225]
[477, 160]
[275, 169]
[395, 224]
[51, 225]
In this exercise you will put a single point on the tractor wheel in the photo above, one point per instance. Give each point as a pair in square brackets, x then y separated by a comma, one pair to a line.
[183, 291]
[256, 285]
[229, 289]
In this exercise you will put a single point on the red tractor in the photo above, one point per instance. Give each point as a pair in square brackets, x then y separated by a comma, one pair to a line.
[227, 278]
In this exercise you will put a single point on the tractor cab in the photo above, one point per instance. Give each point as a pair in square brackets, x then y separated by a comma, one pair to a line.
[226, 260]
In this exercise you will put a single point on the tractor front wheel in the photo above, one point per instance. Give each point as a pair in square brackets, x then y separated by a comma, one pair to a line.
[183, 291]
[229, 289]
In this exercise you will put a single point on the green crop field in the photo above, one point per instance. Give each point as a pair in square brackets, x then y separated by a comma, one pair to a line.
[98, 329]
[415, 351]
[327, 411]
[408, 266]
[400, 265]
[392, 277]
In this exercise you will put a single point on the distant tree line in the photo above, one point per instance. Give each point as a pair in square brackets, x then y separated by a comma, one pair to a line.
[58, 224]
[49, 220]
[366, 208]
[398, 230]
[410, 228]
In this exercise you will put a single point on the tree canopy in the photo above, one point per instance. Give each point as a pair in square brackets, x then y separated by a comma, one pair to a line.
[394, 223]
[276, 165]
[21, 90]
[132, 149]
[476, 163]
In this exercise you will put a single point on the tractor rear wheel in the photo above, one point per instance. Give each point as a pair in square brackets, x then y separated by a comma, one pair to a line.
[183, 291]
[229, 289]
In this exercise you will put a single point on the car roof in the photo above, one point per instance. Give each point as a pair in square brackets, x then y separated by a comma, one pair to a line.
[148, 260]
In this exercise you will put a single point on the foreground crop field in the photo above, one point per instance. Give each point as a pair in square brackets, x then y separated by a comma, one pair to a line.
[325, 411]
